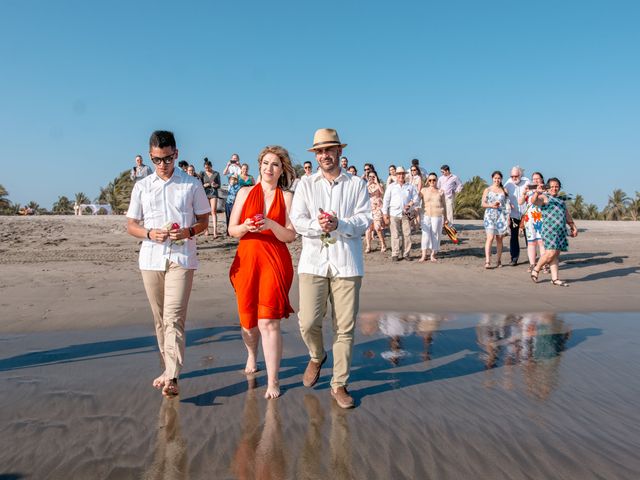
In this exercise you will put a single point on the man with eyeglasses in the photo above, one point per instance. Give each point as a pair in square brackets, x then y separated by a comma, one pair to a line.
[308, 169]
[451, 185]
[167, 210]
[515, 186]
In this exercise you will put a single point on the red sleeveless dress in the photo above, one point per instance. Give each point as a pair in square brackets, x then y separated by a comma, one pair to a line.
[262, 272]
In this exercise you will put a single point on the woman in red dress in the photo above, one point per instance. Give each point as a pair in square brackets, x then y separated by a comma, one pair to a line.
[262, 272]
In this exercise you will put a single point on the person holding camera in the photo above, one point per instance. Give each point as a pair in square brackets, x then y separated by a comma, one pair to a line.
[555, 217]
[233, 166]
[531, 221]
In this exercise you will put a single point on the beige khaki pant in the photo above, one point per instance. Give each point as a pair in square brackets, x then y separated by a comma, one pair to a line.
[448, 208]
[168, 293]
[400, 236]
[344, 295]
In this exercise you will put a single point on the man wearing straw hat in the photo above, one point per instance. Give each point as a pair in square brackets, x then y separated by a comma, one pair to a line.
[331, 211]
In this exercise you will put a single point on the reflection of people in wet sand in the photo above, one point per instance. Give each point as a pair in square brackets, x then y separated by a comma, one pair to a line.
[310, 466]
[170, 460]
[397, 325]
[533, 342]
[260, 453]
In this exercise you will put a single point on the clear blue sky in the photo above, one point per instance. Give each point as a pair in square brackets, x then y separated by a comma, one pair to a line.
[480, 85]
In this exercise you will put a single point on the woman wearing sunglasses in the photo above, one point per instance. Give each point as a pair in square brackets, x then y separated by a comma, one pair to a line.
[432, 217]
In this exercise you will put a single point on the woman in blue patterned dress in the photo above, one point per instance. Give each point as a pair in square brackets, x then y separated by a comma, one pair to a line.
[496, 217]
[555, 218]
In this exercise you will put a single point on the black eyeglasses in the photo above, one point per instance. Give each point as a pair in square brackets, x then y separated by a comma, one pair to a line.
[166, 160]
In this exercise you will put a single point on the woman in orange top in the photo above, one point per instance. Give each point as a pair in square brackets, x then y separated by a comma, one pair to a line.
[262, 272]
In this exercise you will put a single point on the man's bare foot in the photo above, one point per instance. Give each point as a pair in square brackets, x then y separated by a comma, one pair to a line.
[273, 390]
[434, 259]
[159, 382]
[422, 259]
[170, 388]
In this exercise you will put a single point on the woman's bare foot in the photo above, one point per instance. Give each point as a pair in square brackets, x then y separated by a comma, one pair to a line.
[170, 388]
[159, 382]
[273, 390]
[422, 259]
[251, 366]
[434, 259]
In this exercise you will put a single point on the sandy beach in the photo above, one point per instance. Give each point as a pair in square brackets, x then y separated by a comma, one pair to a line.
[453, 376]
[81, 272]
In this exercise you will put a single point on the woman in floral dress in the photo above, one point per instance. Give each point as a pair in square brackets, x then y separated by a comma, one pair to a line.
[532, 220]
[496, 217]
[555, 218]
[376, 193]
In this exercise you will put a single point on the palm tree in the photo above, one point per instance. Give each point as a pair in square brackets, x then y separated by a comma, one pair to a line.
[62, 206]
[468, 201]
[634, 207]
[591, 212]
[5, 204]
[577, 207]
[617, 207]
[299, 170]
[81, 198]
[117, 193]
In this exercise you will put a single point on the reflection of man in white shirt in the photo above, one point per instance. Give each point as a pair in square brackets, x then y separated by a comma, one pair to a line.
[331, 211]
[167, 254]
[399, 199]
[450, 185]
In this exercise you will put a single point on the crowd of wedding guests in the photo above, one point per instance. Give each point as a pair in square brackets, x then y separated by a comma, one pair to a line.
[418, 200]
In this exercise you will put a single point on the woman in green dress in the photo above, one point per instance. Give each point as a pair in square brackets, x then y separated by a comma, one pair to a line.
[555, 218]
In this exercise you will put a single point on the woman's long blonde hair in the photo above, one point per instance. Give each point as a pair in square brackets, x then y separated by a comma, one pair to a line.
[288, 172]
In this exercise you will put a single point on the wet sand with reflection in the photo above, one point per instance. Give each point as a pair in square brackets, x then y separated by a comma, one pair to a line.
[533, 396]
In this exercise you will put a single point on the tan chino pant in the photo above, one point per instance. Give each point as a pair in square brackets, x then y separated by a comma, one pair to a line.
[400, 236]
[168, 293]
[344, 295]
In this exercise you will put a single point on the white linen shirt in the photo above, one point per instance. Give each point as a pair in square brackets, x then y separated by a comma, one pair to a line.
[158, 202]
[348, 197]
[515, 192]
[396, 197]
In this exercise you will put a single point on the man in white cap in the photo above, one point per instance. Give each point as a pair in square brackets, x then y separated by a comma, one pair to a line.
[331, 211]
[397, 204]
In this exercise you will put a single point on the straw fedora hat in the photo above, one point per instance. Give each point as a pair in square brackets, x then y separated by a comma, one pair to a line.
[326, 137]
[400, 170]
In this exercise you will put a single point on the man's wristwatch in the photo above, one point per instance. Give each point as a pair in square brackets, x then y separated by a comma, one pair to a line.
[192, 232]
[149, 234]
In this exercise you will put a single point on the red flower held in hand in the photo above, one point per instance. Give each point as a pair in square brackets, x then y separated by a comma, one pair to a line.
[175, 226]
[258, 217]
